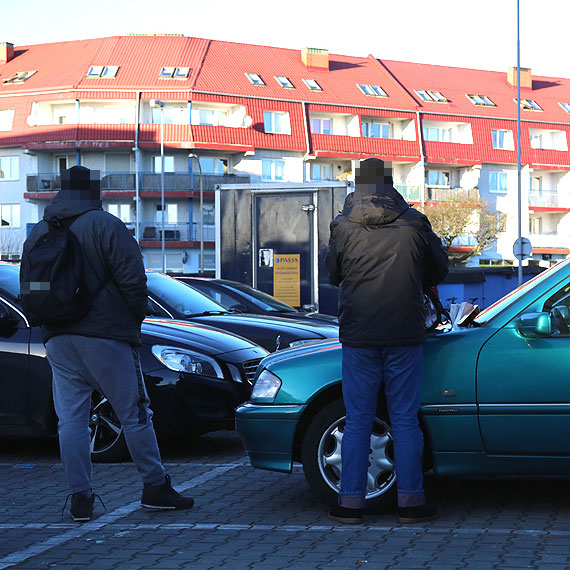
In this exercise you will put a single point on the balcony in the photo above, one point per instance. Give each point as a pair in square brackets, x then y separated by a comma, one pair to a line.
[410, 193]
[148, 181]
[547, 198]
[151, 231]
[446, 194]
[549, 240]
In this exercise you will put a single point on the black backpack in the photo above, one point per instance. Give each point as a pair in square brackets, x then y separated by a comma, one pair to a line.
[53, 289]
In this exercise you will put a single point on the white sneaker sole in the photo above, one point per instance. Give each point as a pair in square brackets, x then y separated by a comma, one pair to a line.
[157, 508]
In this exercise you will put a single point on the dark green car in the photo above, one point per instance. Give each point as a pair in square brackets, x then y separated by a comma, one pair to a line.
[495, 399]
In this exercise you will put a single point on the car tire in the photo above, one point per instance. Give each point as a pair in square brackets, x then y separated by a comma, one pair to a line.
[107, 438]
[320, 456]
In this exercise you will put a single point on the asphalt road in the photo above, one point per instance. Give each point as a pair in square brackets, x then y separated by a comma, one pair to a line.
[251, 519]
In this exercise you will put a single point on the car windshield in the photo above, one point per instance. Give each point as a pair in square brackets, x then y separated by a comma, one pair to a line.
[500, 305]
[179, 297]
[10, 280]
[262, 300]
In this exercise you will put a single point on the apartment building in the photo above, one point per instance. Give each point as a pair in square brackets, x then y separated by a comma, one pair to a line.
[240, 113]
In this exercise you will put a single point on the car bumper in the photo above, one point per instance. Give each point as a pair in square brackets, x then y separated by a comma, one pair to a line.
[268, 432]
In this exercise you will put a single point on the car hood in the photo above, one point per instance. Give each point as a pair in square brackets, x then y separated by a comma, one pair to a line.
[300, 328]
[205, 339]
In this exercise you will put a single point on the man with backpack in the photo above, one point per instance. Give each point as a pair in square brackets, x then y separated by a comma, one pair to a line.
[382, 254]
[82, 278]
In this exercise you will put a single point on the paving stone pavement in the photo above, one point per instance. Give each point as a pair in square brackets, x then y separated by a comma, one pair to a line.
[251, 519]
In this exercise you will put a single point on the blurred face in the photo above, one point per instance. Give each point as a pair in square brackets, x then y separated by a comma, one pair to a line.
[372, 177]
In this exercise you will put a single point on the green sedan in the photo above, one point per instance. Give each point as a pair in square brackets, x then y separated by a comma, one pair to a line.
[495, 399]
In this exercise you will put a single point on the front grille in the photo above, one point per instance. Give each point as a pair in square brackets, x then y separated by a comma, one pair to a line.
[250, 368]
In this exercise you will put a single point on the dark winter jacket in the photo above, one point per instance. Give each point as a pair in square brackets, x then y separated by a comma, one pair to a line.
[109, 252]
[382, 253]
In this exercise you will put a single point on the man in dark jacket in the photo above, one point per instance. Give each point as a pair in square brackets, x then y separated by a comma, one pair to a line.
[98, 352]
[382, 254]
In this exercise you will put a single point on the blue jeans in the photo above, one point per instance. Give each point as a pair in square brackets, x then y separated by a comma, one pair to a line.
[80, 365]
[399, 370]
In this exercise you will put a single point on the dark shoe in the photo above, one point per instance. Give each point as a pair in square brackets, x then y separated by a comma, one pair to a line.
[346, 516]
[81, 506]
[421, 513]
[164, 497]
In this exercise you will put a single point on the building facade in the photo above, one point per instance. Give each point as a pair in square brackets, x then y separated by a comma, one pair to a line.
[238, 113]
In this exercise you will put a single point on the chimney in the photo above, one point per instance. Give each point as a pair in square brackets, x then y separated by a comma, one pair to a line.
[6, 52]
[315, 58]
[526, 77]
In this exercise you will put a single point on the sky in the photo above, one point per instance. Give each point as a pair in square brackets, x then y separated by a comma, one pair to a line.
[479, 34]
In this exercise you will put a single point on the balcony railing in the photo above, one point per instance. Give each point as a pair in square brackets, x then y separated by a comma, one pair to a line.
[465, 240]
[439, 194]
[410, 193]
[543, 198]
[184, 231]
[549, 239]
[148, 181]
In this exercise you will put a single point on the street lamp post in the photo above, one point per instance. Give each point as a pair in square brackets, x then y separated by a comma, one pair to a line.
[156, 104]
[201, 268]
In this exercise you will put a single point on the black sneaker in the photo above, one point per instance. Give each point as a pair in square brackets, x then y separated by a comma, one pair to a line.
[164, 497]
[81, 507]
[346, 516]
[421, 513]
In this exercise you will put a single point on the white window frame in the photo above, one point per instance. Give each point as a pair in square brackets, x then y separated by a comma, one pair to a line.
[506, 139]
[320, 129]
[372, 90]
[255, 79]
[312, 85]
[11, 213]
[276, 168]
[277, 122]
[441, 175]
[320, 166]
[9, 168]
[498, 177]
[19, 77]
[565, 106]
[122, 211]
[431, 96]
[284, 82]
[529, 105]
[444, 134]
[480, 100]
[168, 163]
[103, 71]
[169, 72]
[7, 119]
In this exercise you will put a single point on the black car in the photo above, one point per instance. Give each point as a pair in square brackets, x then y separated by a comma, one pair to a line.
[195, 376]
[170, 298]
[245, 299]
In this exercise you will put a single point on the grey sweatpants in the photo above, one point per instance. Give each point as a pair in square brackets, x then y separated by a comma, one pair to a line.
[80, 365]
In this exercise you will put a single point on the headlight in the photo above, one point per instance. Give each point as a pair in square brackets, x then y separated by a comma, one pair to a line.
[183, 360]
[266, 386]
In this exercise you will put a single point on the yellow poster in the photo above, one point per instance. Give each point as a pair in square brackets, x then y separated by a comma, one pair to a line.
[287, 278]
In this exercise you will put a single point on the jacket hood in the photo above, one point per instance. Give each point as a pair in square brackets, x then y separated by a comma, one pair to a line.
[382, 207]
[80, 192]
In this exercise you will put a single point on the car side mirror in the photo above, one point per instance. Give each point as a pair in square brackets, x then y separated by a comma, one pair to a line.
[535, 325]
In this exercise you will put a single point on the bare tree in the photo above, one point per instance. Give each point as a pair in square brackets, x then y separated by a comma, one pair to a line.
[10, 243]
[465, 216]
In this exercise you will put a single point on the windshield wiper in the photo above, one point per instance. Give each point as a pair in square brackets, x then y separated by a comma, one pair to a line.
[206, 313]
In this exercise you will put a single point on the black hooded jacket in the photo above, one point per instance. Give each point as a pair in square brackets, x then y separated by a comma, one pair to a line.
[382, 253]
[110, 252]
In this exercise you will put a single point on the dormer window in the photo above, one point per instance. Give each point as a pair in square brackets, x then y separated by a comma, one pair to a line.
[480, 100]
[431, 96]
[529, 105]
[19, 77]
[312, 85]
[255, 79]
[372, 90]
[284, 82]
[565, 106]
[174, 73]
[108, 71]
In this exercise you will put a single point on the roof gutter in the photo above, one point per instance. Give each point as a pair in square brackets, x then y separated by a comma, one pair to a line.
[306, 155]
[136, 149]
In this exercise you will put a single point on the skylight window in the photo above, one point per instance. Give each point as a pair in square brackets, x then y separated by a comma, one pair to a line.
[103, 71]
[19, 77]
[431, 96]
[284, 82]
[312, 85]
[529, 105]
[372, 90]
[174, 73]
[481, 100]
[255, 79]
[565, 106]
